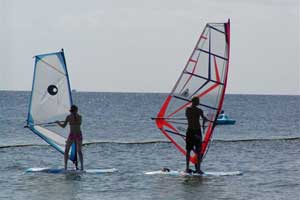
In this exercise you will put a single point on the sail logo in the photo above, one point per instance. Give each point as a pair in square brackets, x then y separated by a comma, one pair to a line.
[52, 90]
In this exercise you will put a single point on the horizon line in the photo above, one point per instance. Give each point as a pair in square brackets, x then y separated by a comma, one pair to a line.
[153, 92]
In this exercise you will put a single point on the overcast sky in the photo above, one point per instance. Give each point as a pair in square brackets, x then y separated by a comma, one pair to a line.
[143, 45]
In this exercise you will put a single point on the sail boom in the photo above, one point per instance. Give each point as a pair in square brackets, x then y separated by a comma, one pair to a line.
[175, 133]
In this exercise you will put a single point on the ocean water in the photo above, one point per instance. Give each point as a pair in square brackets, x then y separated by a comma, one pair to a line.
[118, 133]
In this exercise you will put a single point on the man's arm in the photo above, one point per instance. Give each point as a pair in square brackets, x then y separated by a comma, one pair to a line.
[64, 124]
[80, 119]
[186, 113]
[204, 120]
[203, 117]
[201, 113]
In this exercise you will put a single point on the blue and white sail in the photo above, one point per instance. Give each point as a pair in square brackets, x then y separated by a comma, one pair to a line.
[50, 100]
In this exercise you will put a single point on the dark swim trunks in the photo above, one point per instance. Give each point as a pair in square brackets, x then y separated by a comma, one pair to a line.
[193, 139]
[75, 137]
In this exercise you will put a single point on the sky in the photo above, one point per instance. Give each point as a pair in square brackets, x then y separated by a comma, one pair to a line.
[143, 45]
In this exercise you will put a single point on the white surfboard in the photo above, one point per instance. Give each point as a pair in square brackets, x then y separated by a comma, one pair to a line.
[70, 171]
[183, 173]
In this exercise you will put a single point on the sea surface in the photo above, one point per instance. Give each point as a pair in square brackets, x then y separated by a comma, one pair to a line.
[264, 144]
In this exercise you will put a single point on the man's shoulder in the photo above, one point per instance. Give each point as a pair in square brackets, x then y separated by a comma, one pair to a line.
[189, 109]
[194, 108]
[199, 110]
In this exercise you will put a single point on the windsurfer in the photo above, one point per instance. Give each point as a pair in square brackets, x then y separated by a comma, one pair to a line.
[165, 169]
[222, 115]
[194, 134]
[74, 120]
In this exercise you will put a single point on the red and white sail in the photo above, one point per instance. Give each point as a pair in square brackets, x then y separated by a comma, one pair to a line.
[204, 76]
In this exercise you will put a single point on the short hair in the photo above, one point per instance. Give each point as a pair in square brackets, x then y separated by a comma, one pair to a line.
[73, 108]
[195, 100]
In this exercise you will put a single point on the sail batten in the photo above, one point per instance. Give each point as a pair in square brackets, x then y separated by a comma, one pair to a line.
[204, 76]
[212, 54]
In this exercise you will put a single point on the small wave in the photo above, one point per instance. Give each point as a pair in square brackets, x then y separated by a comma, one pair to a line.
[214, 140]
[126, 142]
[258, 139]
[20, 145]
[90, 143]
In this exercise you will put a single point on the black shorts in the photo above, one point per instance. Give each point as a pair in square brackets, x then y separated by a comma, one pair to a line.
[193, 139]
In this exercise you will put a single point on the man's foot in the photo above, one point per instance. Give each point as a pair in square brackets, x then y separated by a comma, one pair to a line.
[189, 171]
[199, 171]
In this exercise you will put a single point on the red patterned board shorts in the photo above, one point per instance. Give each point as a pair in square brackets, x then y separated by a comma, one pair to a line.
[75, 137]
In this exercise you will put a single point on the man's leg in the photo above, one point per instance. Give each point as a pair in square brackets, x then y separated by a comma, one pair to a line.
[66, 154]
[188, 153]
[199, 157]
[79, 148]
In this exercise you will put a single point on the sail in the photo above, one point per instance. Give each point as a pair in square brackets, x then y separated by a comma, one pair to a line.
[50, 100]
[204, 76]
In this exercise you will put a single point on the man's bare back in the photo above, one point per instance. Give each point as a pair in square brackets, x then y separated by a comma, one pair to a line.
[193, 134]
[75, 136]
[193, 116]
[75, 123]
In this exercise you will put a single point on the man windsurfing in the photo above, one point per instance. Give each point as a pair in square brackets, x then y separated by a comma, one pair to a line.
[74, 120]
[194, 133]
